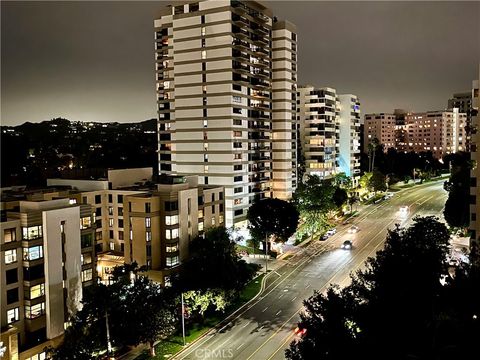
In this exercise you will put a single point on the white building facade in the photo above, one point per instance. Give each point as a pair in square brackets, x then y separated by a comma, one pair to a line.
[226, 79]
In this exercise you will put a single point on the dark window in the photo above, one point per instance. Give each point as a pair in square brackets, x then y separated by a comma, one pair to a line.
[12, 296]
[120, 211]
[98, 211]
[110, 198]
[148, 207]
[120, 235]
[33, 272]
[474, 217]
[120, 198]
[98, 223]
[213, 197]
[111, 234]
[86, 240]
[120, 223]
[171, 205]
[204, 112]
[179, 10]
[237, 178]
[237, 167]
[98, 248]
[11, 276]
[84, 200]
[213, 209]
[149, 250]
[200, 200]
[220, 195]
[193, 7]
[122, 247]
[202, 18]
[98, 199]
[238, 212]
[221, 208]
[206, 180]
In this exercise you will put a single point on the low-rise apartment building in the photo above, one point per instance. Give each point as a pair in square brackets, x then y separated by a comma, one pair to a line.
[47, 258]
[382, 127]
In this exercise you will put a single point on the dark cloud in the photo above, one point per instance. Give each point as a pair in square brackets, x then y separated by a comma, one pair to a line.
[95, 61]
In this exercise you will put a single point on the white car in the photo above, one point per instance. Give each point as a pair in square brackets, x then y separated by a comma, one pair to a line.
[353, 229]
[404, 209]
[331, 232]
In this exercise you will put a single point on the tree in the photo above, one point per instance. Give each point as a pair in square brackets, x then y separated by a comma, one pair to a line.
[372, 149]
[340, 197]
[457, 211]
[377, 182]
[384, 312]
[272, 217]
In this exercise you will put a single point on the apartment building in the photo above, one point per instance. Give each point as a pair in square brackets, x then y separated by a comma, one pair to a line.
[319, 129]
[47, 258]
[441, 132]
[475, 172]
[149, 221]
[349, 136]
[464, 103]
[379, 126]
[226, 84]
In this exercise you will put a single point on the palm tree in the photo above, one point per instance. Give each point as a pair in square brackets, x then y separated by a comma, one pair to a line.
[372, 149]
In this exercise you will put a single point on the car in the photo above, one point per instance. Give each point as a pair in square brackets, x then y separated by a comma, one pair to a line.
[404, 209]
[388, 195]
[353, 229]
[347, 245]
[300, 331]
[331, 232]
[324, 237]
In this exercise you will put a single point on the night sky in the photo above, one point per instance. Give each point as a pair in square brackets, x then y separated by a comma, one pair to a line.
[95, 61]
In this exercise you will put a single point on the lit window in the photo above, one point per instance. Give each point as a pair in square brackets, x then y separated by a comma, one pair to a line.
[112, 245]
[204, 54]
[148, 222]
[85, 222]
[86, 258]
[172, 261]
[33, 253]
[200, 226]
[171, 234]
[34, 311]
[10, 256]
[110, 222]
[37, 291]
[171, 220]
[110, 210]
[171, 248]
[200, 214]
[32, 232]
[86, 275]
[203, 31]
[12, 315]
[9, 235]
[236, 99]
[213, 221]
[220, 219]
[148, 236]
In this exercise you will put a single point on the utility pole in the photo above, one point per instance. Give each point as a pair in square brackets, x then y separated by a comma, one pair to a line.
[183, 321]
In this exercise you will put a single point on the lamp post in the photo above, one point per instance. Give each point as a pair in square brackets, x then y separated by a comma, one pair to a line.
[266, 254]
[109, 343]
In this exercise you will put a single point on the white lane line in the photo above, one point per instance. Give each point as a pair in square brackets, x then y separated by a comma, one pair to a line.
[307, 286]
[278, 312]
[240, 346]
[280, 296]
[265, 309]
[293, 299]
[244, 326]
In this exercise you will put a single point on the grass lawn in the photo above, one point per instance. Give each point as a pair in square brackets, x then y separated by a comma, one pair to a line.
[248, 249]
[174, 344]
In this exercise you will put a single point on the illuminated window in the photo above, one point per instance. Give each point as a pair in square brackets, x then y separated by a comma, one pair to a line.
[37, 291]
[9, 235]
[171, 234]
[171, 220]
[10, 256]
[86, 258]
[200, 226]
[204, 54]
[12, 315]
[85, 222]
[34, 311]
[33, 253]
[172, 261]
[148, 236]
[32, 232]
[203, 31]
[171, 248]
[148, 222]
[86, 275]
[200, 214]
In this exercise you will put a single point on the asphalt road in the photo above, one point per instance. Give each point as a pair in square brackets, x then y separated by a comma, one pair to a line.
[264, 329]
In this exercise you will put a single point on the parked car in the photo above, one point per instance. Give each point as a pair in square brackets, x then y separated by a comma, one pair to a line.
[347, 245]
[331, 232]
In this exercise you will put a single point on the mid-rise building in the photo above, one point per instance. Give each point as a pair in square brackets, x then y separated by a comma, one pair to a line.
[475, 172]
[382, 127]
[319, 129]
[441, 132]
[226, 84]
[349, 136]
[464, 103]
[47, 258]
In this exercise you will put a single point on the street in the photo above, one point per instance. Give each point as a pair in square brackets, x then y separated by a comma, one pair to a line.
[264, 329]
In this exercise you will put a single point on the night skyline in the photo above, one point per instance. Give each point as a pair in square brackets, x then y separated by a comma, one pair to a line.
[97, 62]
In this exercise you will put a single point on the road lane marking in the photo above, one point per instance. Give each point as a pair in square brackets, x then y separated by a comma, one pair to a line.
[293, 299]
[265, 309]
[244, 326]
[278, 312]
[240, 346]
[287, 339]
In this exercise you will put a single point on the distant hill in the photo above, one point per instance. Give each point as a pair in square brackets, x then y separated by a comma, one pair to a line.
[32, 151]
